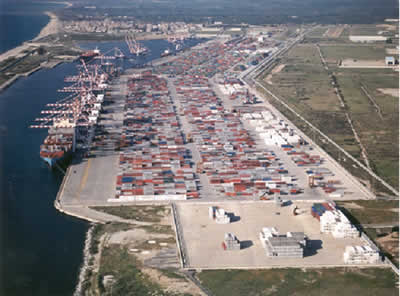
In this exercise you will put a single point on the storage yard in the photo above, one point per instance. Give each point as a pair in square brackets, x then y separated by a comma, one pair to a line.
[179, 132]
[203, 237]
[241, 177]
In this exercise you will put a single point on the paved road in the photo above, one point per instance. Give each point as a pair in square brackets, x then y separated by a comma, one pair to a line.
[206, 190]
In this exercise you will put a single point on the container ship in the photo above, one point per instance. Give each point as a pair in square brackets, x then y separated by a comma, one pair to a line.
[59, 143]
[70, 121]
[165, 53]
[90, 54]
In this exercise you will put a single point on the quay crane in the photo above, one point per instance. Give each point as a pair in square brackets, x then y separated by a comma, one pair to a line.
[70, 121]
[135, 47]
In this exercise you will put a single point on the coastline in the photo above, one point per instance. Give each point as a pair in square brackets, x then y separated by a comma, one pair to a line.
[52, 27]
[19, 52]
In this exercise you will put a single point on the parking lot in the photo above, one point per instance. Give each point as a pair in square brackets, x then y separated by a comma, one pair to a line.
[203, 237]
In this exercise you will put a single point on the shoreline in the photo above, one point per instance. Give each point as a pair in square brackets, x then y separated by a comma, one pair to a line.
[52, 27]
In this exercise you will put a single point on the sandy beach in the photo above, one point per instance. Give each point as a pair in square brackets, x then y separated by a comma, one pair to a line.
[52, 27]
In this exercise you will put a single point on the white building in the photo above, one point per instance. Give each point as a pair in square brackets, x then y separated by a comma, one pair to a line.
[390, 61]
[366, 39]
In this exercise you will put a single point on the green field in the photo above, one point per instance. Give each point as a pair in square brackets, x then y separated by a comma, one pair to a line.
[326, 282]
[309, 89]
[359, 52]
[304, 82]
[377, 134]
[129, 279]
[364, 29]
[372, 211]
[318, 32]
[139, 213]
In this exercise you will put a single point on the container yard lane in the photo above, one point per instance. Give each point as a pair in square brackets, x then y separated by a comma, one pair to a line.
[206, 191]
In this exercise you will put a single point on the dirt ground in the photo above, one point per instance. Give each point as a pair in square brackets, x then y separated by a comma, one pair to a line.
[334, 32]
[390, 91]
[132, 236]
[155, 249]
[353, 205]
[392, 51]
[352, 63]
[387, 27]
[390, 243]
[275, 70]
[174, 285]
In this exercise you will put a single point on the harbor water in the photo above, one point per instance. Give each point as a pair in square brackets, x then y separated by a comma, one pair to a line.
[22, 20]
[41, 249]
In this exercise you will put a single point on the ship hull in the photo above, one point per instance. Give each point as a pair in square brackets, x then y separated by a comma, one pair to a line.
[52, 161]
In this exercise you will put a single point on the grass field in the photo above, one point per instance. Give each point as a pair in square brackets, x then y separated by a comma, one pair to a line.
[139, 213]
[372, 211]
[359, 52]
[318, 32]
[129, 279]
[131, 274]
[381, 212]
[327, 282]
[364, 29]
[303, 81]
[309, 89]
[377, 133]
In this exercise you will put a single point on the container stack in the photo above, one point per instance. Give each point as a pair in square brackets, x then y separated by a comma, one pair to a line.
[291, 245]
[333, 221]
[278, 201]
[219, 215]
[154, 163]
[361, 255]
[228, 154]
[318, 209]
[215, 57]
[231, 243]
[275, 131]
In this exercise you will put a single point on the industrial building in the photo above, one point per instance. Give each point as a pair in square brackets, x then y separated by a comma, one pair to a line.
[290, 245]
